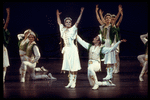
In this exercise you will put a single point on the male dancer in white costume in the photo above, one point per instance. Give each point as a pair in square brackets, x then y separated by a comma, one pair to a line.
[143, 59]
[94, 63]
[22, 48]
[31, 57]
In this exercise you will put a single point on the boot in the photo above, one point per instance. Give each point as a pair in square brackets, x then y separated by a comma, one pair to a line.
[70, 80]
[95, 87]
[74, 81]
[107, 76]
[23, 75]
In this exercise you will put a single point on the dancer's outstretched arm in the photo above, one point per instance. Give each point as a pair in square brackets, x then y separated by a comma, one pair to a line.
[58, 16]
[82, 42]
[97, 15]
[110, 49]
[79, 18]
[7, 19]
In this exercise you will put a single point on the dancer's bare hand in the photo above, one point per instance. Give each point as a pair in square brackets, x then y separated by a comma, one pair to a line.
[123, 40]
[57, 12]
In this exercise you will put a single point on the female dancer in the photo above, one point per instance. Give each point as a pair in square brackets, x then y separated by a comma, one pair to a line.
[71, 61]
[6, 35]
[31, 57]
[108, 32]
[117, 36]
[143, 59]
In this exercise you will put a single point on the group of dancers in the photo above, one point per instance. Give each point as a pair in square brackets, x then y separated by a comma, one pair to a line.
[105, 48]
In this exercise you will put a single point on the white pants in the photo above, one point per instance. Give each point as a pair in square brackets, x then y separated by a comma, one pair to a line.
[92, 68]
[30, 67]
[143, 62]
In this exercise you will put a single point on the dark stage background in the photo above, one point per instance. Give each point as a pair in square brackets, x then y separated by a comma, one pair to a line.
[41, 18]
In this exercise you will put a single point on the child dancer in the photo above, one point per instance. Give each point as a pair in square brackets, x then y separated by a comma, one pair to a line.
[143, 59]
[22, 48]
[6, 35]
[94, 63]
[71, 61]
[31, 57]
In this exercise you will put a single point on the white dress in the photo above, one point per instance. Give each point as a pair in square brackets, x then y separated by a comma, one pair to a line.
[109, 58]
[70, 52]
[5, 57]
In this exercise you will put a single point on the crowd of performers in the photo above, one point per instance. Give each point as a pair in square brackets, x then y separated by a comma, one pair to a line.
[104, 47]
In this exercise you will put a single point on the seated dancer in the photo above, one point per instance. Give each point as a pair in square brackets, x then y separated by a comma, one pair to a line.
[94, 63]
[143, 59]
[22, 48]
[6, 37]
[31, 57]
[71, 62]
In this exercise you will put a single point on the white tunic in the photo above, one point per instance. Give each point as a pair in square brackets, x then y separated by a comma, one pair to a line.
[70, 52]
[105, 50]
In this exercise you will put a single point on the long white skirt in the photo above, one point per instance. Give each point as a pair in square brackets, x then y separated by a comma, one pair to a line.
[70, 59]
[109, 58]
[5, 57]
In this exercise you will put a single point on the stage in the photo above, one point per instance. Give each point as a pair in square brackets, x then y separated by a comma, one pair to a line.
[127, 83]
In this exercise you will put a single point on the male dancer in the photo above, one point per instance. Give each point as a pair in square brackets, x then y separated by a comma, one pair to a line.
[94, 63]
[143, 59]
[31, 57]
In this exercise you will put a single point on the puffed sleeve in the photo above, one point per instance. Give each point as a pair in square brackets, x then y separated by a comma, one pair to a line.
[36, 53]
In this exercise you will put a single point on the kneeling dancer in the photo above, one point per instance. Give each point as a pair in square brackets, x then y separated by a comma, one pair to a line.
[94, 64]
[32, 56]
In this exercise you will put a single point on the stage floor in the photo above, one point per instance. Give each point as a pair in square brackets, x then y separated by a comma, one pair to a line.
[127, 83]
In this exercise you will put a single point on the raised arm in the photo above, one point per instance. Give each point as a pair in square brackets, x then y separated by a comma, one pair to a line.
[97, 15]
[120, 19]
[79, 18]
[119, 11]
[143, 38]
[7, 19]
[101, 15]
[58, 16]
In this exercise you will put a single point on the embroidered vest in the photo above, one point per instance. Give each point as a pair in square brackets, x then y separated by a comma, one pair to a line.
[23, 46]
[29, 50]
[97, 55]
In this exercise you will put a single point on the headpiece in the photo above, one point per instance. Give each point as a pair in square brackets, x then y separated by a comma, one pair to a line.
[67, 18]
[108, 14]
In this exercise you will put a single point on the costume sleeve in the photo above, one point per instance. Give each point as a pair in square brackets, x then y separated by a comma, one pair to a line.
[143, 38]
[74, 31]
[36, 53]
[20, 36]
[82, 42]
[109, 49]
[61, 29]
